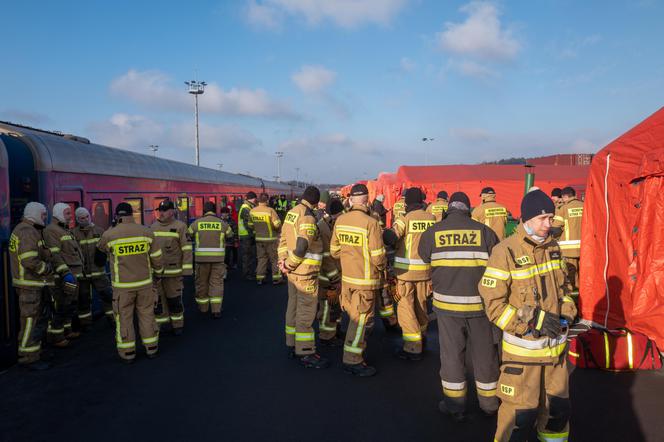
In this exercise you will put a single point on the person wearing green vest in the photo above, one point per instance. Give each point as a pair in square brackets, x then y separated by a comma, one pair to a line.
[245, 231]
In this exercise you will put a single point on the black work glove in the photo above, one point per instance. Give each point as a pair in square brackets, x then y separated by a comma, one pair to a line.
[545, 324]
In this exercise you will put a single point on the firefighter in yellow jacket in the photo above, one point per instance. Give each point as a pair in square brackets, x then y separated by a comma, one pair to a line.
[266, 224]
[524, 290]
[357, 242]
[134, 257]
[567, 228]
[329, 310]
[88, 234]
[399, 208]
[209, 234]
[439, 207]
[171, 237]
[30, 263]
[490, 213]
[68, 262]
[412, 273]
[300, 258]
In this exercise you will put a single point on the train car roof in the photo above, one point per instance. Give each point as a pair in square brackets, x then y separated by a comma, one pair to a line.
[64, 153]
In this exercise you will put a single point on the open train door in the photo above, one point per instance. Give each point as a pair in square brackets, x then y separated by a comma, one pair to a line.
[7, 300]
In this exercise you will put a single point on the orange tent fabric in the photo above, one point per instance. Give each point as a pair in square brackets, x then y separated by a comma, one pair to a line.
[622, 246]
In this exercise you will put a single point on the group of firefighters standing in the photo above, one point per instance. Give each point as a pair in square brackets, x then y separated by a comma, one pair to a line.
[488, 290]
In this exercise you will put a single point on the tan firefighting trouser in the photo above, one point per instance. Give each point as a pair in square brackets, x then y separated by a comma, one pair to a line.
[328, 315]
[210, 286]
[64, 308]
[301, 313]
[126, 303]
[267, 251]
[412, 313]
[359, 304]
[573, 272]
[169, 302]
[31, 324]
[385, 305]
[533, 394]
[102, 286]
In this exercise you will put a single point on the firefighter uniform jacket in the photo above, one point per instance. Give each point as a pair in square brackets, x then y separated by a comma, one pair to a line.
[133, 254]
[29, 258]
[357, 242]
[438, 208]
[399, 209]
[300, 246]
[244, 229]
[408, 266]
[330, 271]
[458, 249]
[171, 238]
[492, 214]
[265, 222]
[520, 276]
[67, 255]
[209, 234]
[568, 217]
[87, 238]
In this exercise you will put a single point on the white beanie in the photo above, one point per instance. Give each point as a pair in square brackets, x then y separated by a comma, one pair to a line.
[33, 211]
[82, 211]
[59, 212]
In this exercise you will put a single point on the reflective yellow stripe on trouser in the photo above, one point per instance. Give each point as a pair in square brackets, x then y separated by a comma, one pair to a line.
[354, 347]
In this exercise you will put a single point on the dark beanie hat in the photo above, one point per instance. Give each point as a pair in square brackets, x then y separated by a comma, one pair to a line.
[209, 206]
[536, 203]
[557, 192]
[334, 206]
[460, 197]
[413, 196]
[442, 194]
[488, 191]
[123, 209]
[251, 195]
[311, 195]
[569, 191]
[359, 190]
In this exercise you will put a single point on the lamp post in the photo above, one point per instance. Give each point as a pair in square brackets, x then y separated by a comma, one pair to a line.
[196, 88]
[220, 165]
[154, 148]
[279, 157]
[297, 176]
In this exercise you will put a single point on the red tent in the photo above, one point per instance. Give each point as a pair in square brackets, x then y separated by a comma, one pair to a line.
[622, 252]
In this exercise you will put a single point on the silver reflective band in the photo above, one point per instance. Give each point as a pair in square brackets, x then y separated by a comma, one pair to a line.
[408, 261]
[210, 249]
[489, 386]
[316, 256]
[570, 242]
[454, 385]
[534, 345]
[460, 255]
[457, 299]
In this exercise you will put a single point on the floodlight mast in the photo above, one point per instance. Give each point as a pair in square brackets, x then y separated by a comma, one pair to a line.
[196, 88]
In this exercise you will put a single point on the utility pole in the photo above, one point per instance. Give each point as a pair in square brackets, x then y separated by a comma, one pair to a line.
[196, 88]
[279, 157]
[154, 148]
[297, 176]
[220, 165]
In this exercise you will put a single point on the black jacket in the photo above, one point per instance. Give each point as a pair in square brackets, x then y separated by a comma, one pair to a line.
[458, 249]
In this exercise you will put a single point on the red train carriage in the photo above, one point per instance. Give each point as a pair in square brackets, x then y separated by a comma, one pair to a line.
[36, 165]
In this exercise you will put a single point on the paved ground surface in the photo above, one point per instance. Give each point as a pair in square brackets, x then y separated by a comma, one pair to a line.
[230, 380]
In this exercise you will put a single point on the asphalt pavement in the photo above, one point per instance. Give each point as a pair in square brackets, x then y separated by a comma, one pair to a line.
[231, 380]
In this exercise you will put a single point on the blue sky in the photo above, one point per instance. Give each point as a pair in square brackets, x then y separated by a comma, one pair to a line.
[346, 88]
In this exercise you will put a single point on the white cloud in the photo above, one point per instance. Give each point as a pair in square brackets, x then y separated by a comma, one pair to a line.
[481, 35]
[155, 89]
[472, 68]
[344, 13]
[407, 65]
[337, 143]
[313, 79]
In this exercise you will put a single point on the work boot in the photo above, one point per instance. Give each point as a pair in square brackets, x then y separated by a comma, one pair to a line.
[458, 416]
[407, 356]
[314, 361]
[291, 352]
[152, 355]
[61, 344]
[177, 331]
[216, 315]
[362, 369]
[334, 342]
[37, 366]
[259, 282]
[73, 335]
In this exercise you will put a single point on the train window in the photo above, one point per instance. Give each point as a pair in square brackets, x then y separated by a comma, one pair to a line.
[101, 213]
[183, 209]
[198, 206]
[73, 205]
[137, 207]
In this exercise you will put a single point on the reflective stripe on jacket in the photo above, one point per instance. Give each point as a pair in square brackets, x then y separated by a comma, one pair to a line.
[29, 258]
[568, 217]
[209, 234]
[244, 220]
[171, 238]
[408, 265]
[438, 208]
[300, 222]
[265, 222]
[67, 255]
[87, 238]
[330, 271]
[492, 214]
